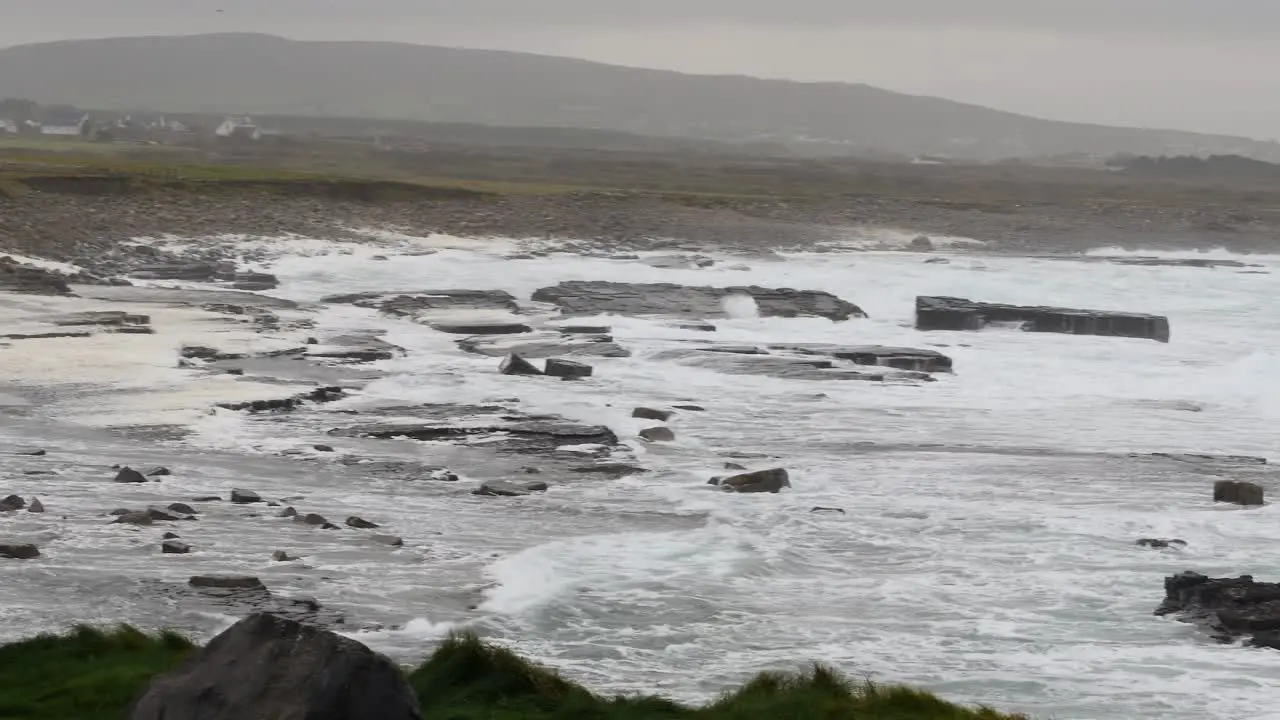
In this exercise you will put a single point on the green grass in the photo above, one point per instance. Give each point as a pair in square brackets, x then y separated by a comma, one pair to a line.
[91, 674]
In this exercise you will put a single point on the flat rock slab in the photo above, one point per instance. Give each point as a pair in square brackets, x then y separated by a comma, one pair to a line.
[266, 666]
[948, 313]
[901, 358]
[411, 303]
[585, 297]
[790, 368]
[543, 345]
[481, 328]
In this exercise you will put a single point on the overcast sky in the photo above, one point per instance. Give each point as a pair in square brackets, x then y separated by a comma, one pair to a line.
[1209, 65]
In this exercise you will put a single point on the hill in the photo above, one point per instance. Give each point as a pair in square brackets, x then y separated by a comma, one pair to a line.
[267, 75]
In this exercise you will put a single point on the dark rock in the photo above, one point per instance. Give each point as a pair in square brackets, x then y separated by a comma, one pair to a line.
[609, 469]
[169, 536]
[1160, 543]
[651, 414]
[288, 512]
[19, 552]
[134, 518]
[202, 352]
[174, 547]
[567, 369]
[253, 281]
[35, 452]
[690, 408]
[121, 511]
[227, 582]
[390, 540]
[360, 523]
[1240, 493]
[282, 556]
[1172, 262]
[266, 666]
[680, 262]
[1228, 608]
[585, 329]
[820, 509]
[791, 368]
[937, 261]
[129, 475]
[503, 488]
[412, 303]
[166, 515]
[16, 277]
[901, 358]
[313, 519]
[245, 497]
[515, 365]
[182, 508]
[207, 498]
[322, 448]
[539, 434]
[543, 345]
[1202, 459]
[579, 297]
[757, 482]
[12, 503]
[482, 328]
[948, 313]
[159, 472]
[734, 466]
[35, 506]
[660, 433]
[921, 243]
[695, 326]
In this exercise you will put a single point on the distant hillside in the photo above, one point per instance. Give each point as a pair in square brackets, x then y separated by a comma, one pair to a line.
[261, 74]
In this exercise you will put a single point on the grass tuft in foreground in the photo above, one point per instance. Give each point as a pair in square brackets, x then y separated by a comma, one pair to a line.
[91, 674]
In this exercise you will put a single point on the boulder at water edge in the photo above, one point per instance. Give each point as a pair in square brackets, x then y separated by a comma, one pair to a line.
[268, 667]
[1240, 493]
[771, 481]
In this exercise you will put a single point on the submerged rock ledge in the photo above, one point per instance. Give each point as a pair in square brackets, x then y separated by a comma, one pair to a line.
[949, 313]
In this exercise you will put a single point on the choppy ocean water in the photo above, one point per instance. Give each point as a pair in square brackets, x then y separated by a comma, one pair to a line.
[987, 548]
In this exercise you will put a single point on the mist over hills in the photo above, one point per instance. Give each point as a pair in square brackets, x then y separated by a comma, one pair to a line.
[267, 75]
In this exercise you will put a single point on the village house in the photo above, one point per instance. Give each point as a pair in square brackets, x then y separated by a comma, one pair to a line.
[238, 128]
[65, 123]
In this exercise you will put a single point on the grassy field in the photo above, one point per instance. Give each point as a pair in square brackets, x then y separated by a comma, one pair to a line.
[688, 177]
[89, 674]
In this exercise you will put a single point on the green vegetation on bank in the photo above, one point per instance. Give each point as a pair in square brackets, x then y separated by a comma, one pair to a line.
[89, 674]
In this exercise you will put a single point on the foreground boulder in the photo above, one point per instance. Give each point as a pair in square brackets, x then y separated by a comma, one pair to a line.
[269, 667]
[585, 297]
[760, 481]
[1228, 608]
[948, 313]
[19, 552]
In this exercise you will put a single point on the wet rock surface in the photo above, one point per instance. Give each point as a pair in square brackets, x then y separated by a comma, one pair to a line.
[21, 278]
[540, 345]
[900, 358]
[760, 481]
[948, 313]
[270, 666]
[1228, 609]
[585, 297]
[412, 303]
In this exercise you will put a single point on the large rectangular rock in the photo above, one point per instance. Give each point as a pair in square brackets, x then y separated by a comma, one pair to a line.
[948, 313]
[587, 297]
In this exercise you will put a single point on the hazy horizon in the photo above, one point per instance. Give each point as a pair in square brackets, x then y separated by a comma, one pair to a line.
[1178, 64]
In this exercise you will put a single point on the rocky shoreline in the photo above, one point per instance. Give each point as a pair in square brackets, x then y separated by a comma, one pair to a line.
[95, 231]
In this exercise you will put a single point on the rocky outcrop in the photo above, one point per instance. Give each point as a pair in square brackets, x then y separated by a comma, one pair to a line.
[12, 503]
[222, 273]
[16, 277]
[561, 368]
[514, 364]
[760, 481]
[317, 396]
[24, 551]
[1228, 608]
[661, 433]
[1237, 492]
[585, 297]
[267, 666]
[129, 475]
[503, 488]
[544, 345]
[948, 313]
[900, 358]
[410, 303]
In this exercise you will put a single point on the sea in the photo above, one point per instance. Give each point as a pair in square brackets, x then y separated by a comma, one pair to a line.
[987, 544]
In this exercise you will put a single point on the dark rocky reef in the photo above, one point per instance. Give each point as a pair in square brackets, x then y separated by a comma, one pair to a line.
[589, 297]
[948, 313]
[16, 277]
[1229, 609]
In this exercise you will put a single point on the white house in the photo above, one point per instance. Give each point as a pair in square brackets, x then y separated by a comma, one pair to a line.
[8, 127]
[240, 128]
[65, 124]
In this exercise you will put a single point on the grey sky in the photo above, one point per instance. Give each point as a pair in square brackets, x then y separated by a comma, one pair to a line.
[1209, 65]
